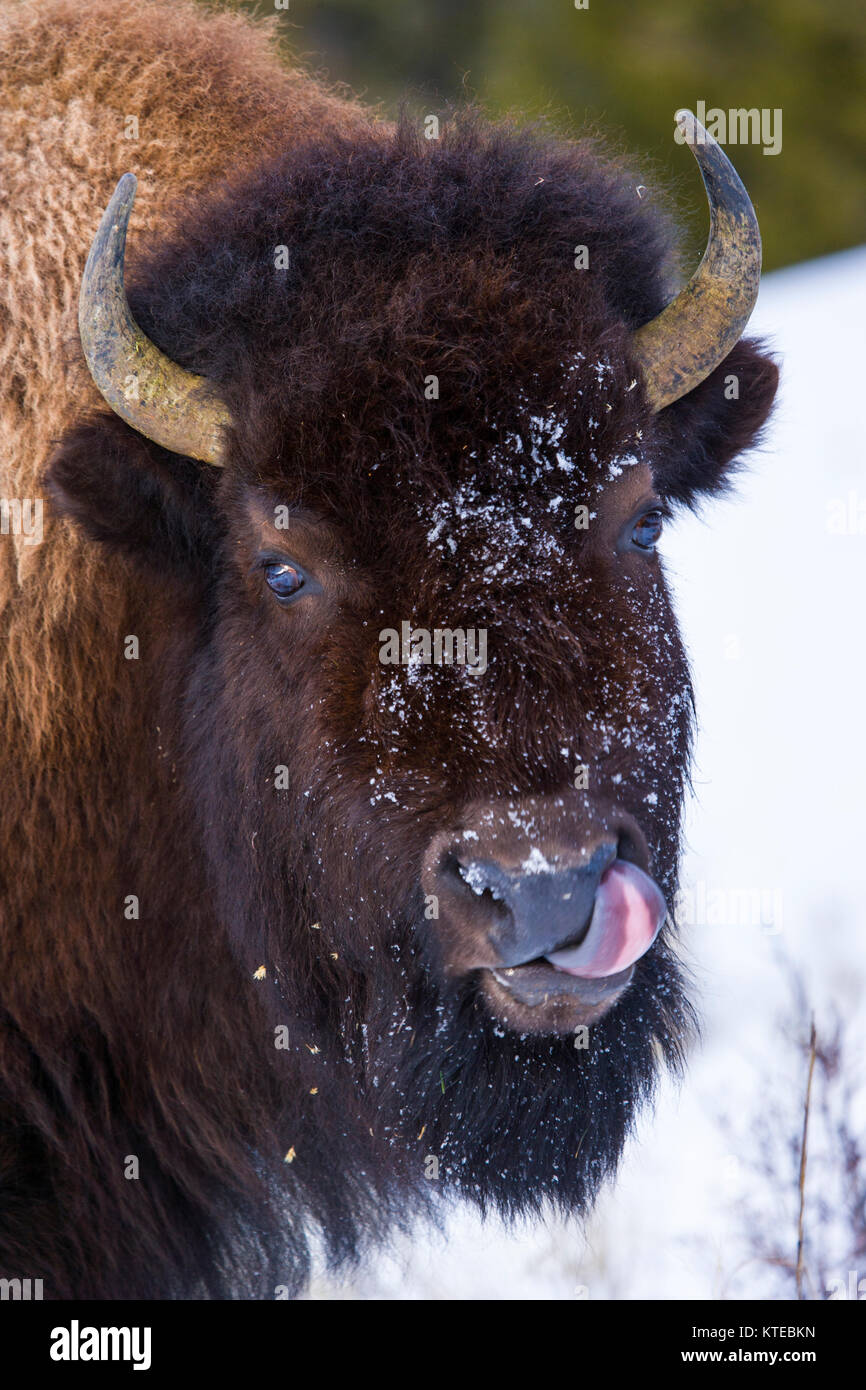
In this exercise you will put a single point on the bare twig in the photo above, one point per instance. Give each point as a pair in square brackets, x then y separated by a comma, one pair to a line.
[801, 1263]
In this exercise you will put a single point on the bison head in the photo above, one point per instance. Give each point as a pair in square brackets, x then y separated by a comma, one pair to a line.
[452, 401]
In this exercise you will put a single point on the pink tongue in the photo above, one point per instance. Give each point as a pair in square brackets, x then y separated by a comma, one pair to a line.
[628, 913]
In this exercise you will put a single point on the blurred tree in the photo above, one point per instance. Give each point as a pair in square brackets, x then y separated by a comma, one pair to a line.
[625, 66]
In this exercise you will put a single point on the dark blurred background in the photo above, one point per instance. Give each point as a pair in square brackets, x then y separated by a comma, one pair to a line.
[626, 66]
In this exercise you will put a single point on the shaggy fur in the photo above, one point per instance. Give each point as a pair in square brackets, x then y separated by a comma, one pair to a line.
[156, 777]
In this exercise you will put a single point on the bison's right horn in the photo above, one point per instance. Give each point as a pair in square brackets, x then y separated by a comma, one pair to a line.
[164, 402]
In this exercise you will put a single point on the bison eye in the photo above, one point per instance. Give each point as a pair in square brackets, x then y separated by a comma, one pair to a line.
[284, 579]
[647, 530]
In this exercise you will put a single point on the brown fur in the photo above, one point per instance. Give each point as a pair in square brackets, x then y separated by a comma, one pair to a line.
[210, 95]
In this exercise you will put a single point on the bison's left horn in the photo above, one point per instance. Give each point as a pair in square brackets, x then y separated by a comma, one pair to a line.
[696, 331]
[164, 402]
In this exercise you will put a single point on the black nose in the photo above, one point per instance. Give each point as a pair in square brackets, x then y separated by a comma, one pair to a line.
[533, 910]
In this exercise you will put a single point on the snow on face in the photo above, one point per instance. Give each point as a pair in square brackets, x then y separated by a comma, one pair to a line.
[506, 521]
[484, 531]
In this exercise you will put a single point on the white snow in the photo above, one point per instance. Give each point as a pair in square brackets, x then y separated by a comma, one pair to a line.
[474, 875]
[535, 863]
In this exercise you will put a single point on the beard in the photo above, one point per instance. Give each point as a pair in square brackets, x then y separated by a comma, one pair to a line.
[519, 1123]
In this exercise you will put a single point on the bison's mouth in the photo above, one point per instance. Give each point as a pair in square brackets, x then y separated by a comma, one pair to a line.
[539, 985]
[583, 977]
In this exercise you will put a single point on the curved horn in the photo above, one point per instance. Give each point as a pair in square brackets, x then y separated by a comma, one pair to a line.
[696, 331]
[164, 402]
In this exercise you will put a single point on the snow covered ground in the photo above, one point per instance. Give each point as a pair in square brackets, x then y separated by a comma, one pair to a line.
[770, 589]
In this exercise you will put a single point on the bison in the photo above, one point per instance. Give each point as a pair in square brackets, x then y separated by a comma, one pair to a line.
[312, 919]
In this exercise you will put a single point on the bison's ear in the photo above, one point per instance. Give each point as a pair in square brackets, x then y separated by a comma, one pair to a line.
[702, 433]
[135, 497]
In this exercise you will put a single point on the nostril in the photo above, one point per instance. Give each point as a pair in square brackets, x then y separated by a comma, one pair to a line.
[631, 850]
[482, 880]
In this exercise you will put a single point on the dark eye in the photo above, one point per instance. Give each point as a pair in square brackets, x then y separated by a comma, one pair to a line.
[647, 530]
[284, 579]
